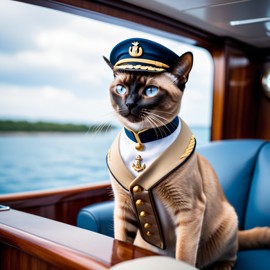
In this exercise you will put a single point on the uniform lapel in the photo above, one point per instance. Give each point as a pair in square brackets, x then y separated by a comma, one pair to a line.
[171, 158]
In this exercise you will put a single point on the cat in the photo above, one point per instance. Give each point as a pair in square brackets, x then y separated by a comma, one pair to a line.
[173, 206]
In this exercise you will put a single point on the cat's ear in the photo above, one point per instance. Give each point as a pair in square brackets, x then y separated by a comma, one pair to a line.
[108, 62]
[182, 69]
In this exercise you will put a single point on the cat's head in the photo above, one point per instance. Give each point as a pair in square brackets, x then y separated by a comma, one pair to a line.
[148, 84]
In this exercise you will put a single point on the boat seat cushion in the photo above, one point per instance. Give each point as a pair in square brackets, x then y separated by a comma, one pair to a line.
[97, 218]
[258, 205]
[234, 162]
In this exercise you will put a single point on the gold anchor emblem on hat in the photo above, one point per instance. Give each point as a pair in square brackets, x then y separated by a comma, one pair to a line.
[138, 166]
[135, 50]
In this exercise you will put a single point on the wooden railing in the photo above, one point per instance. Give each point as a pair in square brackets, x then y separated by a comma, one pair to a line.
[59, 204]
[31, 242]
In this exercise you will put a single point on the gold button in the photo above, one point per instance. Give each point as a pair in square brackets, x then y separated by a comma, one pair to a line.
[143, 214]
[137, 189]
[139, 202]
[148, 233]
[147, 225]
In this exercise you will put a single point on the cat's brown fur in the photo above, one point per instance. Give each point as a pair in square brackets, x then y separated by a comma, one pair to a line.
[205, 224]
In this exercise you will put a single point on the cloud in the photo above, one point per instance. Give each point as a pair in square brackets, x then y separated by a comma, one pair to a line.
[52, 66]
[50, 103]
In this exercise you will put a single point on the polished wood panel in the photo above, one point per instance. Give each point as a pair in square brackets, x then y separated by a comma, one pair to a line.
[59, 204]
[42, 243]
[12, 258]
[219, 94]
[263, 119]
[240, 109]
[241, 101]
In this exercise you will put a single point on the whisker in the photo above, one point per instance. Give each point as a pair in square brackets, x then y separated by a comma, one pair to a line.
[161, 124]
[164, 112]
[159, 117]
[162, 118]
[152, 124]
[104, 127]
[157, 123]
[149, 113]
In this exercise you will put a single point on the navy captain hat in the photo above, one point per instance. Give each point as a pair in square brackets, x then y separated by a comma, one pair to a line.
[138, 54]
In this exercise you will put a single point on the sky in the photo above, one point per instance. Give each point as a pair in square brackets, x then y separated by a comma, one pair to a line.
[52, 69]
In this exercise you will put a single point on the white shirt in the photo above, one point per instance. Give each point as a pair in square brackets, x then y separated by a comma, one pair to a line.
[151, 149]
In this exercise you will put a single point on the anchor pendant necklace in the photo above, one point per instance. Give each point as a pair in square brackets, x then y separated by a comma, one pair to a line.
[149, 135]
[137, 165]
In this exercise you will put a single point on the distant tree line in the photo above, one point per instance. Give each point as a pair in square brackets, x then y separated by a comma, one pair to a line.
[25, 126]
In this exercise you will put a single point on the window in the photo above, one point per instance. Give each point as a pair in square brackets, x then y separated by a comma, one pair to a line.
[52, 70]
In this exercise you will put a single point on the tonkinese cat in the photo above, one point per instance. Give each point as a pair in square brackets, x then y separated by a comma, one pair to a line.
[167, 197]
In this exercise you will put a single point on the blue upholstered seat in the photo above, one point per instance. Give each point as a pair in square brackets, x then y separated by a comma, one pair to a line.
[97, 218]
[234, 162]
[243, 168]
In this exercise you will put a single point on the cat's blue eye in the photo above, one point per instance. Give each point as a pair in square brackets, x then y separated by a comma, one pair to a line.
[120, 89]
[151, 91]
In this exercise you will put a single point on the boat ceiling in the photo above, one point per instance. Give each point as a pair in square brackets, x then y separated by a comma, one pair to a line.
[244, 20]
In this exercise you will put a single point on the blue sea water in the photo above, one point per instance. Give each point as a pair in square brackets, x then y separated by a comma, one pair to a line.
[44, 161]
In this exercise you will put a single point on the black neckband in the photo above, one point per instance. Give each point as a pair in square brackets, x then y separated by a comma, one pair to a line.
[153, 134]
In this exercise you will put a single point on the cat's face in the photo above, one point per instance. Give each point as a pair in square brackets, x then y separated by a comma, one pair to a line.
[149, 100]
[144, 101]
